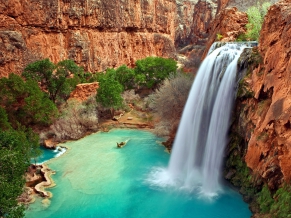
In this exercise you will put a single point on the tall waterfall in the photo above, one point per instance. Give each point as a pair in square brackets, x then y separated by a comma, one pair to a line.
[198, 150]
[199, 145]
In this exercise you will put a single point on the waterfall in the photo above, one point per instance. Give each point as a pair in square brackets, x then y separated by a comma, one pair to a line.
[198, 150]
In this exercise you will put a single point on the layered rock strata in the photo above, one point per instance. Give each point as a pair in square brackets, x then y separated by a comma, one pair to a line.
[96, 34]
[269, 147]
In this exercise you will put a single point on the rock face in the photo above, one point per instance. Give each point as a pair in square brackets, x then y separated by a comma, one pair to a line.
[192, 21]
[194, 17]
[96, 34]
[85, 90]
[269, 147]
[226, 26]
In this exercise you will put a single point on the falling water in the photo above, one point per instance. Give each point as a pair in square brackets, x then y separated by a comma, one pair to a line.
[197, 155]
[202, 135]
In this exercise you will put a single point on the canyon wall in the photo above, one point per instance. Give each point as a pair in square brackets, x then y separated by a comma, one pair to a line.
[269, 147]
[96, 34]
[192, 21]
[261, 129]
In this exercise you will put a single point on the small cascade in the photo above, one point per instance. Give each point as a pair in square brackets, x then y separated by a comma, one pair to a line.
[198, 149]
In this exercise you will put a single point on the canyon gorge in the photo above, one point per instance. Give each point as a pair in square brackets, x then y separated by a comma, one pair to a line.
[100, 34]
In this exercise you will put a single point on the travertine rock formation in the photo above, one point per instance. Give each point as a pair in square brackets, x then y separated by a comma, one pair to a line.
[95, 33]
[85, 90]
[269, 148]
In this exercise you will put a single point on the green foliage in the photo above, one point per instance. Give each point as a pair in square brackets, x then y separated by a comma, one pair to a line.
[244, 90]
[4, 123]
[16, 149]
[125, 76]
[109, 92]
[151, 71]
[24, 102]
[281, 206]
[40, 71]
[219, 36]
[241, 176]
[265, 200]
[59, 80]
[241, 37]
[256, 17]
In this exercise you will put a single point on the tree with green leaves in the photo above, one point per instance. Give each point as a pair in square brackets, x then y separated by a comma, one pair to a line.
[58, 80]
[151, 71]
[256, 16]
[109, 93]
[4, 123]
[126, 77]
[16, 149]
[25, 103]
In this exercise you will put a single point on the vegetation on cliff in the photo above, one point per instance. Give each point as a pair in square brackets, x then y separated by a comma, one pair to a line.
[256, 16]
[266, 195]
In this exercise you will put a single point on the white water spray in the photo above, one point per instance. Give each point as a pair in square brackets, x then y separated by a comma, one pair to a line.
[197, 154]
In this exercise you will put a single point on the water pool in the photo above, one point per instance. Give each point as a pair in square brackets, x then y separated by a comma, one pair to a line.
[96, 179]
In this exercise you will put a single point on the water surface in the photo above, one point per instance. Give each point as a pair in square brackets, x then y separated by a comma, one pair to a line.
[96, 179]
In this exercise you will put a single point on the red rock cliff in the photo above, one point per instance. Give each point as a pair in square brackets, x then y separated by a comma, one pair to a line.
[269, 148]
[96, 34]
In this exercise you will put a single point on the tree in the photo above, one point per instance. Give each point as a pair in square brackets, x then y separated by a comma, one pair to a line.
[169, 99]
[59, 80]
[16, 149]
[65, 79]
[125, 76]
[109, 93]
[24, 102]
[256, 18]
[151, 71]
[4, 123]
[40, 71]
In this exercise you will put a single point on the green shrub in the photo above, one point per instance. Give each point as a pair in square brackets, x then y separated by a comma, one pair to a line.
[281, 206]
[256, 16]
[125, 76]
[4, 123]
[151, 71]
[265, 200]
